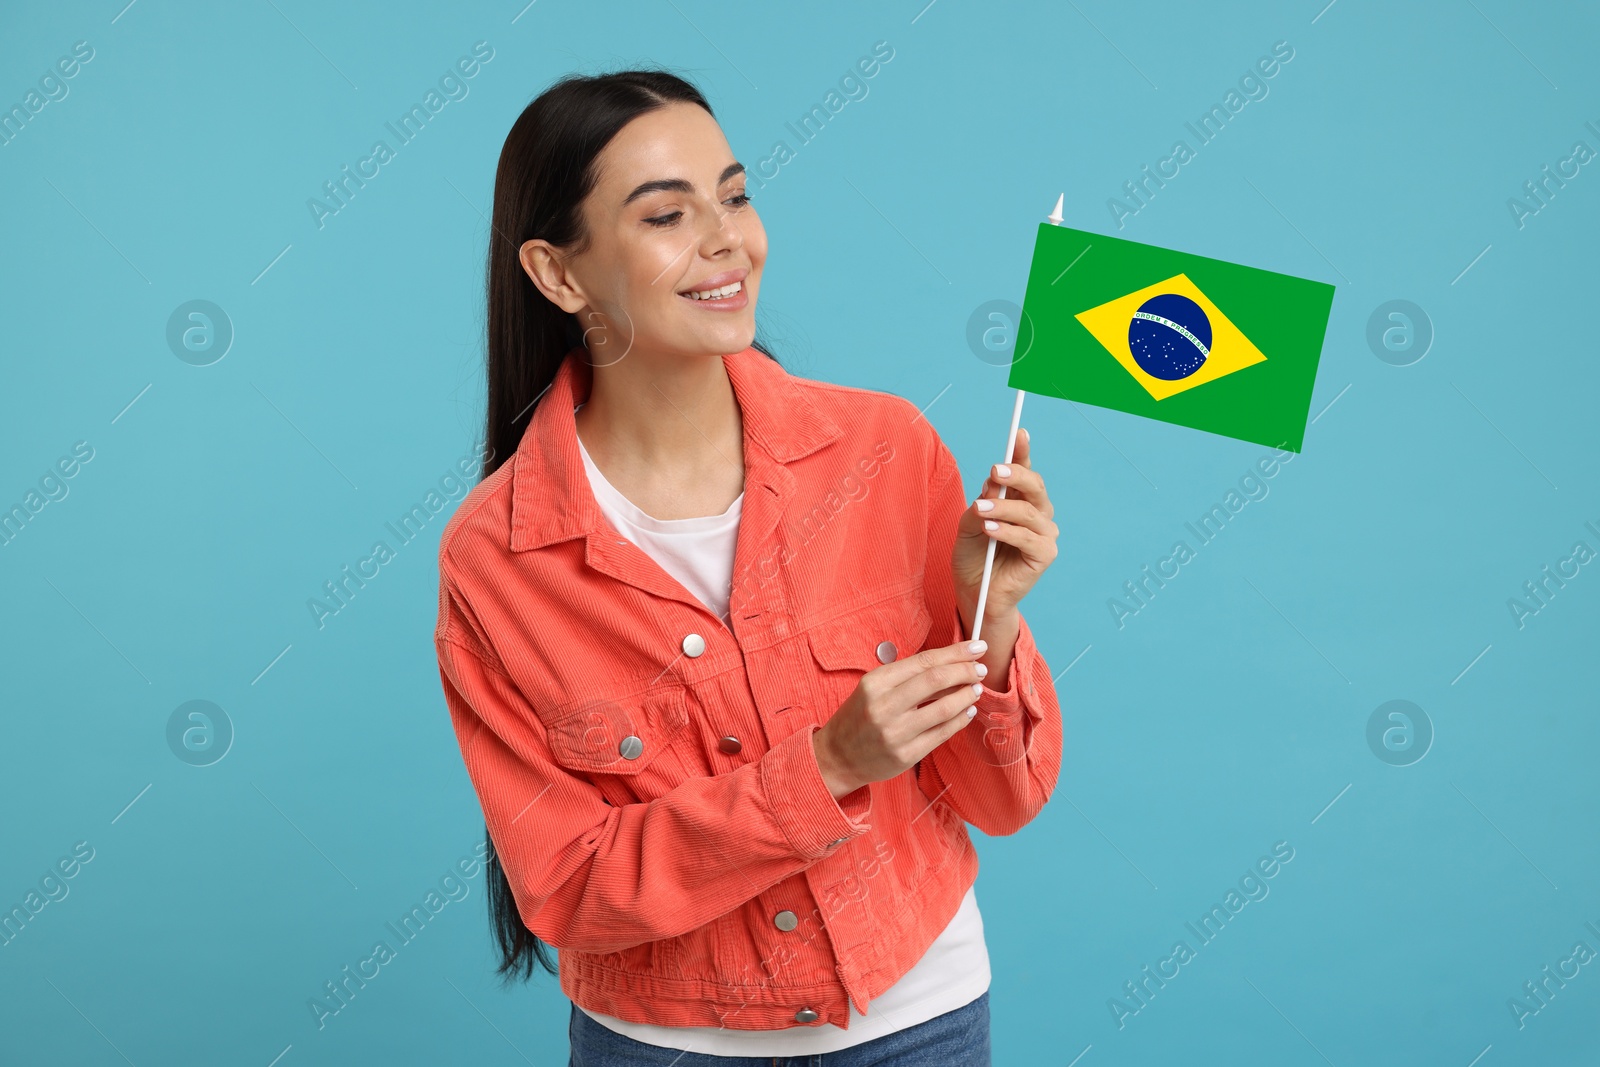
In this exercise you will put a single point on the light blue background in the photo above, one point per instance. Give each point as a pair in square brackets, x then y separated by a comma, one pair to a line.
[1226, 716]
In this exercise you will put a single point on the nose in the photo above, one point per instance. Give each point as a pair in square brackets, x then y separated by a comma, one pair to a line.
[722, 233]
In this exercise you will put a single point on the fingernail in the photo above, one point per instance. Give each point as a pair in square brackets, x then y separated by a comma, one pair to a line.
[977, 646]
[1003, 470]
[983, 670]
[985, 505]
[977, 689]
[990, 524]
[972, 711]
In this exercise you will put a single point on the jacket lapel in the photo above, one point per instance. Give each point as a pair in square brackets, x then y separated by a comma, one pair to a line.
[552, 500]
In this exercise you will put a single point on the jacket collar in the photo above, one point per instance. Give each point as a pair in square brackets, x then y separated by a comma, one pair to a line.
[551, 499]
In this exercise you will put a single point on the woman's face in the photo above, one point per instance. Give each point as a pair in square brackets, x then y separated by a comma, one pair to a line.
[668, 215]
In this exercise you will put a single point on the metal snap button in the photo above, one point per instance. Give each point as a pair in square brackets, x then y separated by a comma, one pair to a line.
[631, 747]
[887, 652]
[837, 843]
[693, 645]
[729, 744]
[805, 1015]
[785, 920]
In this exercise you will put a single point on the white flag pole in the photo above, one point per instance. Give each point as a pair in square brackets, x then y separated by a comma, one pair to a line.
[1011, 451]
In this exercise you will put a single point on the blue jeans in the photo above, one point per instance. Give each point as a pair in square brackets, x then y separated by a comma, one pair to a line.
[958, 1038]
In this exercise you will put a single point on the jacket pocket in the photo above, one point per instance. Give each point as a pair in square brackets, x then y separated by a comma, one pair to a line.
[625, 736]
[847, 647]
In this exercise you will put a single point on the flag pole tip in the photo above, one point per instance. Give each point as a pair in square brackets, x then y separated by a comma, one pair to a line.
[1055, 216]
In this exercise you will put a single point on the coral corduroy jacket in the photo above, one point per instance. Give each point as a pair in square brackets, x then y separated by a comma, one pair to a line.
[646, 769]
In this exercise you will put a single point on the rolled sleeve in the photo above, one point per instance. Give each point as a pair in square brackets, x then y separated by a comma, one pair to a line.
[1007, 718]
[998, 771]
[802, 804]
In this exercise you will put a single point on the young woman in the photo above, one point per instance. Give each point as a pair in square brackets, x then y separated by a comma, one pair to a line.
[702, 630]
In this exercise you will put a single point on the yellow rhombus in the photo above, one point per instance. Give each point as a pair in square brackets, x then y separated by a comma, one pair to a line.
[1230, 350]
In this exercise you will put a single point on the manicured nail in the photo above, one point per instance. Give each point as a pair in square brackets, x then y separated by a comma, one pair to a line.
[985, 505]
[977, 646]
[990, 524]
[977, 689]
[1003, 470]
[972, 711]
[983, 671]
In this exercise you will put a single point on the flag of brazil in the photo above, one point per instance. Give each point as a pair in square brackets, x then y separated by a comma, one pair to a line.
[1185, 339]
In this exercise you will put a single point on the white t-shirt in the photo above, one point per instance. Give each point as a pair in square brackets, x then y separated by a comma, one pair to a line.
[699, 552]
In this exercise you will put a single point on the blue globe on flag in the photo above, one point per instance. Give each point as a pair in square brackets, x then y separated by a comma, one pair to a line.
[1169, 337]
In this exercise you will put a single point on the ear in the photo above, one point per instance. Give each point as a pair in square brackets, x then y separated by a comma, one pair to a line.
[547, 269]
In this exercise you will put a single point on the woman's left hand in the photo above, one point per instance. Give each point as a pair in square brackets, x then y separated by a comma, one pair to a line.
[1024, 529]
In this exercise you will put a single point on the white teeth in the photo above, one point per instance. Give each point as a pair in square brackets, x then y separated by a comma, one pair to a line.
[715, 294]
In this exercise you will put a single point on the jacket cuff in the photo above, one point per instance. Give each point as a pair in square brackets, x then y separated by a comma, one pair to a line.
[1004, 724]
[802, 804]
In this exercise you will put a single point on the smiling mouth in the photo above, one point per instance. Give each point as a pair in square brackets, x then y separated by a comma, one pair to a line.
[731, 289]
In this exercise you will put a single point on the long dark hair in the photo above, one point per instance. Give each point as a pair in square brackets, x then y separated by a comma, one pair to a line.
[546, 170]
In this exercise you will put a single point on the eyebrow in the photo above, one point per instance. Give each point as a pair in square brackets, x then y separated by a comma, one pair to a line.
[678, 185]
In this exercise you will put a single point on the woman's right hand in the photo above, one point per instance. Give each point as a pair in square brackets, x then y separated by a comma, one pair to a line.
[881, 731]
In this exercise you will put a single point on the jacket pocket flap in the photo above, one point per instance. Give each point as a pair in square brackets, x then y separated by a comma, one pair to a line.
[851, 642]
[621, 735]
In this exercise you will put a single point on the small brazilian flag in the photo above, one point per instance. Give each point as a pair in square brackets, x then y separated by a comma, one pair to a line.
[1185, 339]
